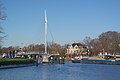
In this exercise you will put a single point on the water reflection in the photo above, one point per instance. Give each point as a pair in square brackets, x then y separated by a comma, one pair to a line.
[44, 72]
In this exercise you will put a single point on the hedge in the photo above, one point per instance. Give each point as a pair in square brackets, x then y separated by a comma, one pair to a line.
[16, 61]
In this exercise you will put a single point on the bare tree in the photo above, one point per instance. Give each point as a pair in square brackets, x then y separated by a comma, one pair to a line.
[110, 41]
[2, 18]
[87, 41]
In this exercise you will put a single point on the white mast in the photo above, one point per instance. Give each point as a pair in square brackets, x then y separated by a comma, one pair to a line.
[45, 33]
[45, 56]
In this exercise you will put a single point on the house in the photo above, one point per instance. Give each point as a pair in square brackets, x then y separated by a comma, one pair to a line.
[76, 49]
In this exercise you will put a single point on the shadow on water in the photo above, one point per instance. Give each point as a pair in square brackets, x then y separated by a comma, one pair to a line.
[67, 71]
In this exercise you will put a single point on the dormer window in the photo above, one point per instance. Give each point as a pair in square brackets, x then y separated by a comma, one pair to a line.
[76, 47]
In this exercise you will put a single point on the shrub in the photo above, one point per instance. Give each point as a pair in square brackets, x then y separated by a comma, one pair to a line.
[16, 61]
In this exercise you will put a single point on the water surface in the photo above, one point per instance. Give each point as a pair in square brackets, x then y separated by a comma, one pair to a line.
[68, 71]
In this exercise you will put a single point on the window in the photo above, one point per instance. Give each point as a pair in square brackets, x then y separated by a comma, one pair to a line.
[76, 47]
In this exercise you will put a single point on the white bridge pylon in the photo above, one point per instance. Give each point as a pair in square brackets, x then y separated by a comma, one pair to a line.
[45, 55]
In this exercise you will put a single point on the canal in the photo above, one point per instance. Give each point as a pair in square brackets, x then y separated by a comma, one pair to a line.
[67, 71]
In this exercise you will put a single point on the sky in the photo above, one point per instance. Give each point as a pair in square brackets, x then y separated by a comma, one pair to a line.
[68, 20]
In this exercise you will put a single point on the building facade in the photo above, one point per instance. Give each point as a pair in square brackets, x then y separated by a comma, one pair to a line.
[76, 49]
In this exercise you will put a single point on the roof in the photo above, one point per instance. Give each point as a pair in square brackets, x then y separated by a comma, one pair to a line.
[78, 44]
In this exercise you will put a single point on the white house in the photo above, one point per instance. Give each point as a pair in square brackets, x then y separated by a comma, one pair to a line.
[76, 49]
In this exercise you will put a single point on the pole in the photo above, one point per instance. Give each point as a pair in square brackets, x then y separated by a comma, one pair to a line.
[45, 33]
